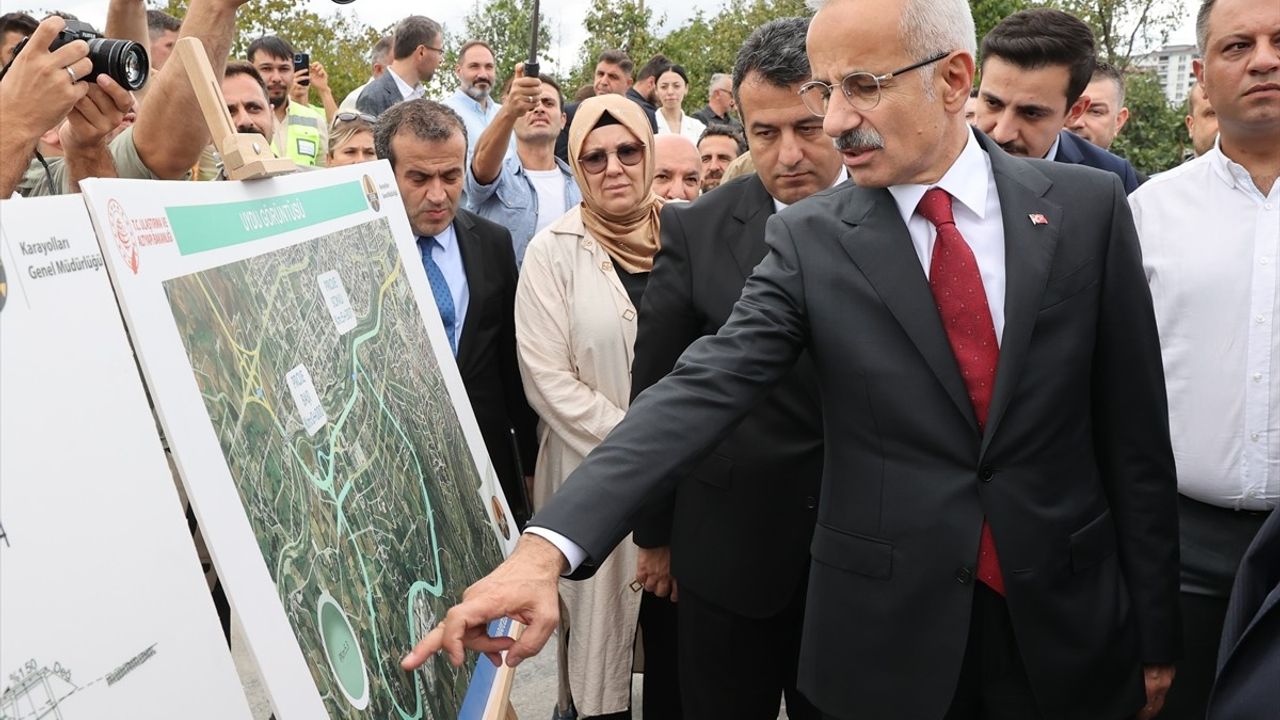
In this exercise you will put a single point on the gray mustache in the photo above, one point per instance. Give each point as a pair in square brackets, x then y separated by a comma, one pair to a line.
[860, 139]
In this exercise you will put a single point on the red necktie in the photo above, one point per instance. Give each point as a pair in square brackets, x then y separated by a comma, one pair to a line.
[962, 303]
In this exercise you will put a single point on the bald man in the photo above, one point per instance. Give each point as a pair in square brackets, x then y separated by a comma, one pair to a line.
[678, 171]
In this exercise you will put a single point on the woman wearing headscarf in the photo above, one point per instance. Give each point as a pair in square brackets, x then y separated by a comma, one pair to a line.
[576, 308]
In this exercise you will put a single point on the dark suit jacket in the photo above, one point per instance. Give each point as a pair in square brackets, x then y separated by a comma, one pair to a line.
[1248, 683]
[380, 95]
[749, 508]
[487, 354]
[707, 116]
[562, 142]
[1076, 150]
[1074, 470]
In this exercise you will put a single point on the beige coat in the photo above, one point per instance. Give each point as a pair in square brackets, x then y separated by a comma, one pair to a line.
[575, 330]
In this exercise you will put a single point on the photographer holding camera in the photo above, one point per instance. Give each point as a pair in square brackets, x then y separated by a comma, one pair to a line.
[170, 131]
[37, 92]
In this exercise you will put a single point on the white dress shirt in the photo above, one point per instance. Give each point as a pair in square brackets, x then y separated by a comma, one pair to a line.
[976, 208]
[448, 256]
[690, 127]
[1211, 249]
[406, 92]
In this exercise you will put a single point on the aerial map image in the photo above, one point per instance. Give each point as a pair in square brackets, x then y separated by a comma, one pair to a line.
[334, 418]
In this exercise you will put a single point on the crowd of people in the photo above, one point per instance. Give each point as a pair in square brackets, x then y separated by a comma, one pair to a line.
[867, 388]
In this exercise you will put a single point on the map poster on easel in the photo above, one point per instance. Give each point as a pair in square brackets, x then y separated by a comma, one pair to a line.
[301, 373]
[104, 612]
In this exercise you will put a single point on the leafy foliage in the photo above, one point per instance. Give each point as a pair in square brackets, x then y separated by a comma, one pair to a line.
[339, 40]
[1155, 137]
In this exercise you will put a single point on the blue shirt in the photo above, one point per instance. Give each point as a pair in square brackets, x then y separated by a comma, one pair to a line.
[448, 256]
[474, 117]
[512, 202]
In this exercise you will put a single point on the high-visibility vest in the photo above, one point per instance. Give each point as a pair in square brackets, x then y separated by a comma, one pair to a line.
[304, 134]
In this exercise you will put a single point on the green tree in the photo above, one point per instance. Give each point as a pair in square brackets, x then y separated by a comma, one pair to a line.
[1125, 28]
[708, 45]
[338, 40]
[614, 24]
[1155, 138]
[988, 13]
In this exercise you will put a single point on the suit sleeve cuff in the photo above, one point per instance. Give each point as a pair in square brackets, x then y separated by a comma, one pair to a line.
[573, 554]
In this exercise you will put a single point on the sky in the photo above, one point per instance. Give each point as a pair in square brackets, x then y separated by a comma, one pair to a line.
[566, 16]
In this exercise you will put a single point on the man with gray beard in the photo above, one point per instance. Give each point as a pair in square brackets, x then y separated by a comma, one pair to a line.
[476, 71]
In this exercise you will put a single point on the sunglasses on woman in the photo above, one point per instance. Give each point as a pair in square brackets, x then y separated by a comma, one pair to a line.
[353, 116]
[627, 153]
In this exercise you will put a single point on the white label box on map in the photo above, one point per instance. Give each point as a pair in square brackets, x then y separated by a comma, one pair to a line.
[307, 400]
[339, 304]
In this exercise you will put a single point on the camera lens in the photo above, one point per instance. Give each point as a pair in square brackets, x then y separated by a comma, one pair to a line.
[124, 61]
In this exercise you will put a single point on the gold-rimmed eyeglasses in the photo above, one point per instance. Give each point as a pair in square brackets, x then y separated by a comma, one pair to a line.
[862, 89]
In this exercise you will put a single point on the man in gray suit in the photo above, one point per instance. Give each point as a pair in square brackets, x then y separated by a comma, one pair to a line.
[997, 527]
[417, 48]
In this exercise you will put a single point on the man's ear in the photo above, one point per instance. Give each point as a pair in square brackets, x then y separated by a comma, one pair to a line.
[1122, 117]
[1076, 111]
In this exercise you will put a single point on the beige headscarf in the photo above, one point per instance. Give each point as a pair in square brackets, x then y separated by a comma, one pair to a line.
[631, 239]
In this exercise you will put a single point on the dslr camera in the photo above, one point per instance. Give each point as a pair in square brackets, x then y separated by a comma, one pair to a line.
[124, 61]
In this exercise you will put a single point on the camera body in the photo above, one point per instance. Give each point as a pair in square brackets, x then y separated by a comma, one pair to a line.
[124, 61]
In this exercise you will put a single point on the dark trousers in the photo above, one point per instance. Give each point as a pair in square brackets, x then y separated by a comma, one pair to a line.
[1211, 541]
[993, 681]
[661, 692]
[738, 667]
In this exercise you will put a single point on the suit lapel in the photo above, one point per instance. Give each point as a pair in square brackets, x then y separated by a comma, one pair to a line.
[1029, 248]
[881, 248]
[752, 211]
[473, 264]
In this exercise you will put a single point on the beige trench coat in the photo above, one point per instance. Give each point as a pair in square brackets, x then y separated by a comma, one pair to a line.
[575, 332]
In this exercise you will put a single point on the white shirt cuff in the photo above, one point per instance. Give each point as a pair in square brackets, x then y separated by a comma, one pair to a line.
[573, 554]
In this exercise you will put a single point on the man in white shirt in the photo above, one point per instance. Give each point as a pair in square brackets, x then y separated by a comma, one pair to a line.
[996, 533]
[1210, 234]
[417, 48]
[379, 59]
[476, 71]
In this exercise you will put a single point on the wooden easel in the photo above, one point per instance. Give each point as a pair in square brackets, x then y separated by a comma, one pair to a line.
[245, 156]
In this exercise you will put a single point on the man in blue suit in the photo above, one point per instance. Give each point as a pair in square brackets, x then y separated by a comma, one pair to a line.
[1036, 65]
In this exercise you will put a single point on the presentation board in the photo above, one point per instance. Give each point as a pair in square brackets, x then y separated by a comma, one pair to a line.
[299, 367]
[104, 611]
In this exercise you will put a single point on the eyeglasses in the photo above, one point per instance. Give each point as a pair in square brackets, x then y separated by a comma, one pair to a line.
[862, 89]
[627, 154]
[437, 49]
[353, 116]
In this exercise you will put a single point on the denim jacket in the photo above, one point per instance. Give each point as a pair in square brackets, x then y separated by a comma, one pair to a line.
[511, 201]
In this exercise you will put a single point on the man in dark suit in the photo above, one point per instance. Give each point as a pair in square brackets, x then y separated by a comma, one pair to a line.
[418, 47]
[997, 530]
[748, 510]
[1249, 662]
[1035, 67]
[472, 270]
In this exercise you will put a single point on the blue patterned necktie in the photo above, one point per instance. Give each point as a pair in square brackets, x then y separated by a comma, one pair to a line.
[440, 290]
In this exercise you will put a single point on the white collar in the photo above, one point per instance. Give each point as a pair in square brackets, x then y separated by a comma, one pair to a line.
[779, 206]
[966, 180]
[1053, 149]
[405, 90]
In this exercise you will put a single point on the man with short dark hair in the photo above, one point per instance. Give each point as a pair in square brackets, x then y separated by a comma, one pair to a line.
[1210, 232]
[719, 145]
[417, 47]
[642, 90]
[476, 71]
[1106, 115]
[472, 271]
[748, 511]
[163, 30]
[526, 190]
[14, 28]
[1035, 67]
[1201, 120]
[719, 102]
[677, 170]
[379, 59]
[301, 131]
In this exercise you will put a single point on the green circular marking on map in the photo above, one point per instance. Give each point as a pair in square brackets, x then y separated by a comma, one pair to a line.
[342, 650]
